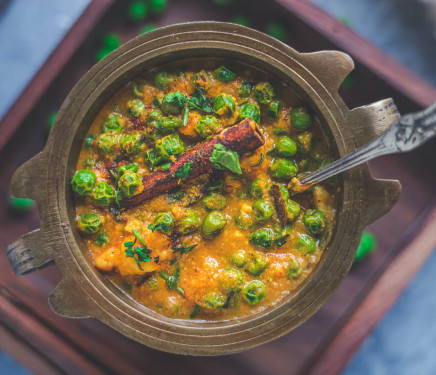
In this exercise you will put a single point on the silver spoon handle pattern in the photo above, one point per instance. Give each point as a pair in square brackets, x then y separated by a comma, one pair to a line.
[408, 133]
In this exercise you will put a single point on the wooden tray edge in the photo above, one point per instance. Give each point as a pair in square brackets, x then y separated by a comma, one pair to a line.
[391, 71]
[379, 299]
[50, 69]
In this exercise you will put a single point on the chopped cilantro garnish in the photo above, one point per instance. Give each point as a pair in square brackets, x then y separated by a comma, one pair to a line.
[262, 157]
[184, 171]
[183, 249]
[139, 253]
[185, 116]
[172, 281]
[195, 312]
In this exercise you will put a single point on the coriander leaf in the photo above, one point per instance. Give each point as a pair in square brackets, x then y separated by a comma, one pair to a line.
[117, 214]
[172, 281]
[184, 171]
[175, 196]
[199, 101]
[139, 237]
[223, 158]
[281, 241]
[166, 166]
[185, 116]
[183, 249]
[138, 253]
[195, 312]
[262, 157]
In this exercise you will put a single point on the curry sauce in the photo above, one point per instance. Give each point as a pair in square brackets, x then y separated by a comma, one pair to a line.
[223, 244]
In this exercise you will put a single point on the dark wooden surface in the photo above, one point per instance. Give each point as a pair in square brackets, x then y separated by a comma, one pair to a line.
[50, 344]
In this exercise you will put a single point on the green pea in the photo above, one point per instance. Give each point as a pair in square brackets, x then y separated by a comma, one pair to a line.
[163, 80]
[223, 74]
[51, 119]
[83, 182]
[167, 125]
[138, 10]
[262, 237]
[169, 145]
[102, 239]
[300, 118]
[293, 269]
[155, 115]
[284, 192]
[127, 167]
[321, 160]
[256, 188]
[148, 28]
[292, 209]
[241, 20]
[257, 264]
[201, 80]
[315, 221]
[129, 183]
[215, 300]
[285, 147]
[90, 139]
[152, 159]
[214, 201]
[107, 143]
[171, 104]
[190, 223]
[246, 89]
[264, 93]
[213, 224]
[250, 110]
[239, 258]
[366, 246]
[111, 41]
[138, 88]
[283, 169]
[244, 220]
[277, 30]
[89, 223]
[164, 222]
[207, 126]
[158, 6]
[20, 205]
[273, 109]
[104, 193]
[135, 107]
[262, 211]
[305, 244]
[224, 105]
[253, 292]
[131, 143]
[230, 280]
[304, 142]
[89, 163]
[303, 165]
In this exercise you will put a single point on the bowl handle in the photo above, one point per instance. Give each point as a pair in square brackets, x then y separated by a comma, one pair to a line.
[71, 301]
[29, 252]
[368, 122]
[24, 260]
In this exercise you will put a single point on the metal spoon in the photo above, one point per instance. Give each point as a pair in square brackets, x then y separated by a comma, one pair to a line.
[408, 133]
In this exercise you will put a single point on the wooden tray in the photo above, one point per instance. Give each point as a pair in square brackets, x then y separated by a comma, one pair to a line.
[47, 343]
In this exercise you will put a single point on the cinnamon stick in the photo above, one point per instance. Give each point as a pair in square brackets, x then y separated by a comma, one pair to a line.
[241, 138]
[279, 204]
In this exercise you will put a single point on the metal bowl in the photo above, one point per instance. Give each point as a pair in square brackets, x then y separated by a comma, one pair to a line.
[84, 292]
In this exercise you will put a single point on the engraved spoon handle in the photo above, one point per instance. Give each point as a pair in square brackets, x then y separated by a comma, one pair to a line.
[408, 133]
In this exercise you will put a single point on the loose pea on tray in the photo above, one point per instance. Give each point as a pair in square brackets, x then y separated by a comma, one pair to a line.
[228, 240]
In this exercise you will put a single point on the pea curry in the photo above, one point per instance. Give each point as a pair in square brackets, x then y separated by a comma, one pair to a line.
[182, 191]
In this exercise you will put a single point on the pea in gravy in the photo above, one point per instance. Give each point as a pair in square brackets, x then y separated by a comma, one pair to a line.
[217, 247]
